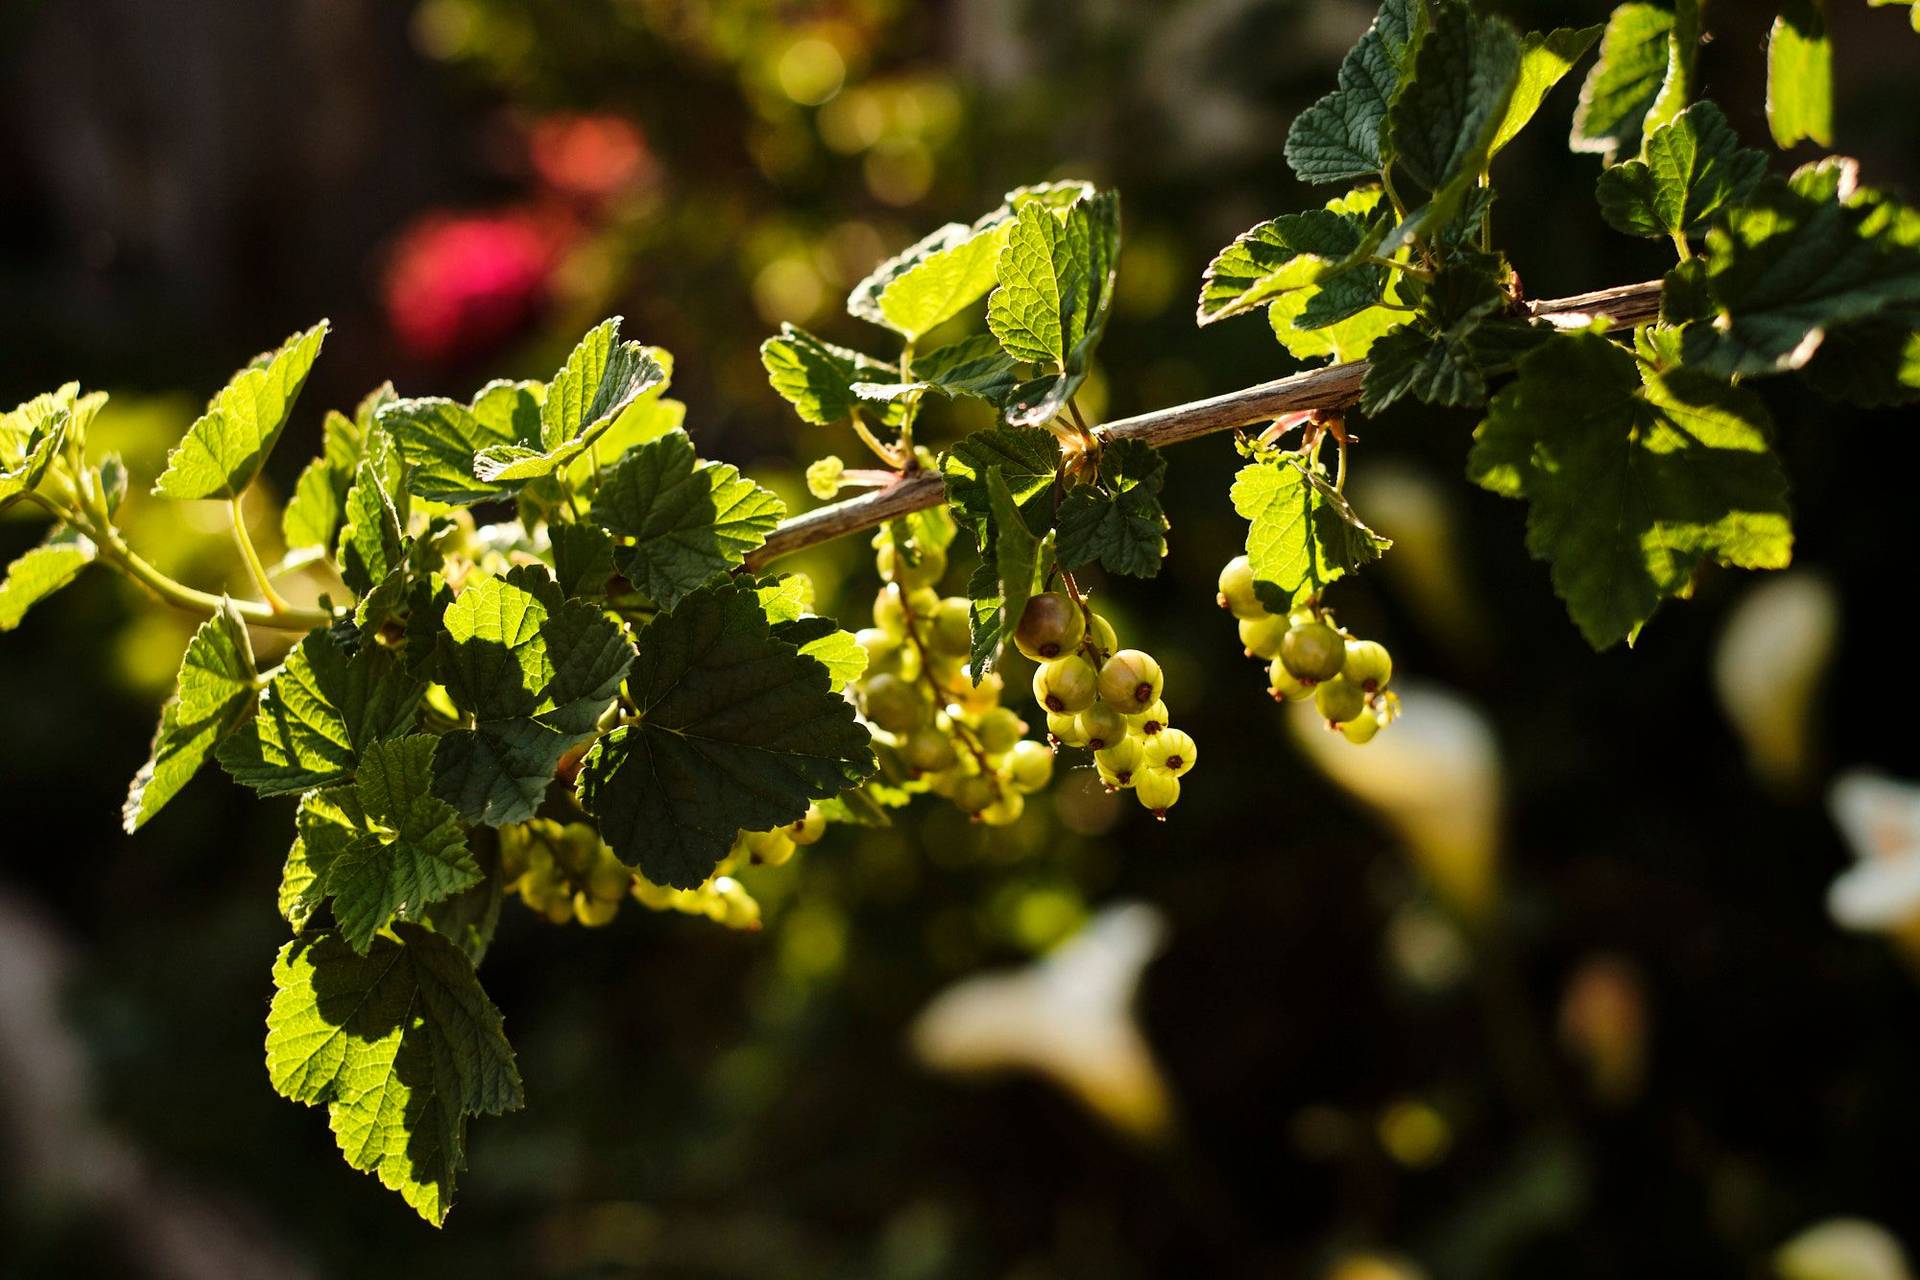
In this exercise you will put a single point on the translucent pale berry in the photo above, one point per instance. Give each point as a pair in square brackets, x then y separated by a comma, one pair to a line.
[1029, 766]
[1130, 681]
[1050, 625]
[1284, 685]
[1339, 700]
[976, 791]
[1150, 721]
[1006, 810]
[1121, 759]
[1236, 590]
[1313, 651]
[1101, 726]
[594, 912]
[998, 730]
[1262, 637]
[921, 569]
[1065, 728]
[1156, 789]
[952, 627]
[889, 613]
[1361, 729]
[1369, 665]
[1067, 684]
[892, 703]
[928, 749]
[812, 825]
[1172, 750]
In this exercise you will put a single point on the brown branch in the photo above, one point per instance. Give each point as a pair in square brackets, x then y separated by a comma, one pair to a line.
[1334, 387]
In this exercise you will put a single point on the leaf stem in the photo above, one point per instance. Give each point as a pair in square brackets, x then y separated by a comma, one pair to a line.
[1682, 247]
[1393, 196]
[885, 452]
[244, 540]
[1418, 273]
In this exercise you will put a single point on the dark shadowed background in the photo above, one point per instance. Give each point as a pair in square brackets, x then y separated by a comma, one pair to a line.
[1663, 1057]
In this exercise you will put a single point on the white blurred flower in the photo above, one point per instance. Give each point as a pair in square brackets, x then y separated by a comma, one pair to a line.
[1880, 817]
[1435, 775]
[1778, 643]
[1067, 1016]
[1842, 1249]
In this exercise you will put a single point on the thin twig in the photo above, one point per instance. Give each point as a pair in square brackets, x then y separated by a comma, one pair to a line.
[1334, 387]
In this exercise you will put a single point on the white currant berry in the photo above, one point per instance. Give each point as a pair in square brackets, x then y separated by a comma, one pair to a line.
[1262, 637]
[1156, 789]
[1130, 681]
[1313, 651]
[1029, 766]
[1067, 684]
[1050, 626]
[1122, 759]
[1101, 726]
[1171, 750]
[1368, 665]
[1339, 700]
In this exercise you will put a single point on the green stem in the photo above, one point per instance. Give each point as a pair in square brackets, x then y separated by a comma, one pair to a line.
[1418, 273]
[1393, 197]
[872, 441]
[117, 553]
[1682, 247]
[244, 541]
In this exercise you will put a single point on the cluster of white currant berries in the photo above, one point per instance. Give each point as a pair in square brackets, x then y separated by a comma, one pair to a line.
[567, 873]
[1309, 657]
[919, 697]
[1106, 698]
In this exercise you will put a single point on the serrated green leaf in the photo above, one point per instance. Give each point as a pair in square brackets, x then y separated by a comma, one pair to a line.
[1800, 76]
[601, 377]
[299, 895]
[736, 731]
[1872, 362]
[373, 539]
[314, 718]
[974, 366]
[1455, 344]
[1633, 478]
[42, 570]
[678, 522]
[400, 1045]
[535, 672]
[1442, 126]
[816, 377]
[310, 523]
[1794, 260]
[1054, 280]
[30, 438]
[385, 848]
[1342, 136]
[1350, 339]
[933, 280]
[822, 640]
[1027, 458]
[1694, 167]
[1290, 253]
[582, 558]
[1545, 58]
[1301, 533]
[439, 440]
[226, 446]
[215, 688]
[1117, 521]
[1009, 567]
[1636, 55]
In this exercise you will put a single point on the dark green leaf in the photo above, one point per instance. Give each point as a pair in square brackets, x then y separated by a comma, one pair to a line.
[1442, 125]
[1341, 136]
[817, 378]
[1694, 167]
[215, 688]
[1027, 459]
[1635, 56]
[1800, 75]
[1117, 521]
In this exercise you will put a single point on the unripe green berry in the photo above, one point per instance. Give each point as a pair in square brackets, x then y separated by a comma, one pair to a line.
[1006, 810]
[889, 613]
[910, 572]
[609, 881]
[558, 907]
[1067, 684]
[998, 730]
[811, 826]
[773, 848]
[1051, 625]
[976, 791]
[1029, 766]
[1262, 637]
[1101, 633]
[928, 749]
[1156, 789]
[1236, 590]
[1150, 721]
[1122, 759]
[1369, 665]
[1065, 728]
[594, 912]
[1130, 681]
[1286, 686]
[1101, 726]
[978, 699]
[577, 849]
[1339, 700]
[953, 627]
[1360, 730]
[1171, 750]
[893, 704]
[1313, 651]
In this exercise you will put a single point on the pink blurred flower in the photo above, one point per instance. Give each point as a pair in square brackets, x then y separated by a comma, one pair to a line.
[590, 157]
[459, 285]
